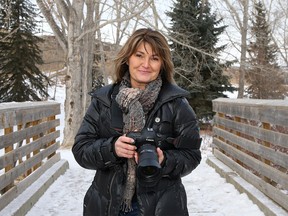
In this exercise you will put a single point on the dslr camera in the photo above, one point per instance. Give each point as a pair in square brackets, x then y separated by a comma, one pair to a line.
[149, 170]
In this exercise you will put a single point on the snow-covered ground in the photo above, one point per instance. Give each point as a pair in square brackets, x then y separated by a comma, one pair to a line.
[207, 192]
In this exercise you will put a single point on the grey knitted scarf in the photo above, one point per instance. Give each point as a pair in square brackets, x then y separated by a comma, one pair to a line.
[135, 104]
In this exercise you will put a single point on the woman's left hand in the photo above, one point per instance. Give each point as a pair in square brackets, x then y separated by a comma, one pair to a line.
[160, 155]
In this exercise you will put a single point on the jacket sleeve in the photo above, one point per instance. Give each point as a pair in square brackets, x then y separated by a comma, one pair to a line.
[90, 150]
[186, 156]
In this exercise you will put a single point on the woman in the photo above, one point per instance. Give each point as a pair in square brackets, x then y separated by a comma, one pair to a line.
[144, 97]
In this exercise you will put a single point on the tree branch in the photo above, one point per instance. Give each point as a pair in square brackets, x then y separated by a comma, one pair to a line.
[49, 18]
[124, 18]
[64, 9]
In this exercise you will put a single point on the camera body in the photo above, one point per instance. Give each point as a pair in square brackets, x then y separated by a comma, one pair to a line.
[149, 171]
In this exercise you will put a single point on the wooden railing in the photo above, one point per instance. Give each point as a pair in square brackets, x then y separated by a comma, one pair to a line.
[27, 145]
[251, 137]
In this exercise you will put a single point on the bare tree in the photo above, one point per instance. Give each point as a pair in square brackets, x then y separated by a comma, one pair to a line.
[244, 30]
[277, 12]
[238, 13]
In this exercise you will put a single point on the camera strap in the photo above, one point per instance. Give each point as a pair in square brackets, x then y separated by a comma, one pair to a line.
[116, 112]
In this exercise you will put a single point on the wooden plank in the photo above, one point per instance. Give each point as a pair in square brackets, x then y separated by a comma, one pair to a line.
[270, 154]
[20, 113]
[28, 172]
[8, 166]
[35, 137]
[26, 105]
[25, 201]
[274, 137]
[52, 118]
[266, 144]
[270, 191]
[237, 119]
[262, 168]
[6, 198]
[17, 171]
[18, 153]
[270, 111]
[18, 136]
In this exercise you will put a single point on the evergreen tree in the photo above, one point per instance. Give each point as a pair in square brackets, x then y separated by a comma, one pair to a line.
[195, 32]
[264, 76]
[20, 78]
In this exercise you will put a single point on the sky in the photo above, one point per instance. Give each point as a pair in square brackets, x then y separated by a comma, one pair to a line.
[208, 194]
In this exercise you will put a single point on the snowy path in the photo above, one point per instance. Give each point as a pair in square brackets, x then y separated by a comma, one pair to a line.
[208, 193]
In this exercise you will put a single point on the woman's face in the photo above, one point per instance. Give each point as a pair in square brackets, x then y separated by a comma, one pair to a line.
[144, 66]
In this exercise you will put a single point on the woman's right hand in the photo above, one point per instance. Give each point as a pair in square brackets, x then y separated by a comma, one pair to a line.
[124, 147]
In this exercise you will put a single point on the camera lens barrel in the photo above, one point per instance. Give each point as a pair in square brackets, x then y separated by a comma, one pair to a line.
[149, 171]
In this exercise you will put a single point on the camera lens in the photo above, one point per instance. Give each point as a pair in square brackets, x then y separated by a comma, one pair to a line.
[149, 170]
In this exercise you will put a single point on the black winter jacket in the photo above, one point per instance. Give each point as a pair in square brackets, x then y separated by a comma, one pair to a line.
[171, 116]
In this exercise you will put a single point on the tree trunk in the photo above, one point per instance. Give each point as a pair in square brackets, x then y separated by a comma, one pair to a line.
[74, 99]
[88, 54]
[242, 68]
